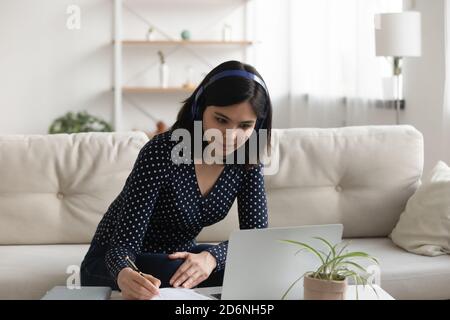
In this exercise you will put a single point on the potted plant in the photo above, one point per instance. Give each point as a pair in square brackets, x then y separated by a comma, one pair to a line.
[330, 280]
[79, 122]
[150, 33]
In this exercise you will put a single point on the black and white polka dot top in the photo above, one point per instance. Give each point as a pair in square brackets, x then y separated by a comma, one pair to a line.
[161, 209]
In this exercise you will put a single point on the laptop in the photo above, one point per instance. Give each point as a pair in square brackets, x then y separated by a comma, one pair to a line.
[260, 267]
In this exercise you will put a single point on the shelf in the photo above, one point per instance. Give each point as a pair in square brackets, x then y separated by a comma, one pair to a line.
[187, 42]
[210, 44]
[156, 89]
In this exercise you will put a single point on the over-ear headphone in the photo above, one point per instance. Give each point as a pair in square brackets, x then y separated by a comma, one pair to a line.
[223, 74]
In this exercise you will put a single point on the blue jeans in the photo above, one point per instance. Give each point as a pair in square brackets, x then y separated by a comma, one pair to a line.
[93, 271]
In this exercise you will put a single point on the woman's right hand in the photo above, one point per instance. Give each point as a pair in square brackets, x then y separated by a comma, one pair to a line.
[135, 286]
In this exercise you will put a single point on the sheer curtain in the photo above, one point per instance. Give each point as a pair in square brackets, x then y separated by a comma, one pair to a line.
[446, 109]
[335, 77]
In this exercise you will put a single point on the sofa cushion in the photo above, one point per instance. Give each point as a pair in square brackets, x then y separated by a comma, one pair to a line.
[54, 189]
[424, 226]
[29, 271]
[406, 275]
[359, 176]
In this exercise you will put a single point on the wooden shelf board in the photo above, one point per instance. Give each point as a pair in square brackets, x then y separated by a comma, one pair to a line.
[185, 42]
[156, 89]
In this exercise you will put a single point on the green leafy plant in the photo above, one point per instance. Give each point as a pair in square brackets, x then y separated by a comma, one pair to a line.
[150, 33]
[336, 265]
[79, 122]
[162, 59]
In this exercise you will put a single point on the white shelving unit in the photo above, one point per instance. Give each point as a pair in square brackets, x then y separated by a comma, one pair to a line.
[119, 43]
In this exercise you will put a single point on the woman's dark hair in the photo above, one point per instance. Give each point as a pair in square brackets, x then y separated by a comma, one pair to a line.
[229, 91]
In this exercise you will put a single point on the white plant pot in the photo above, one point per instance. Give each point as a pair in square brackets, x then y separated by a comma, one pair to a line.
[164, 75]
[226, 33]
[150, 36]
[316, 289]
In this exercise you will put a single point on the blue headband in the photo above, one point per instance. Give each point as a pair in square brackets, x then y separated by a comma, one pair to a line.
[223, 74]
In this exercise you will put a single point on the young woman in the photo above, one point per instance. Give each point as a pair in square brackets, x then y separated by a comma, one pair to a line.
[165, 204]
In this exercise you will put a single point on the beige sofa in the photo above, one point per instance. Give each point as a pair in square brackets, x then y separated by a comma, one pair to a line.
[55, 188]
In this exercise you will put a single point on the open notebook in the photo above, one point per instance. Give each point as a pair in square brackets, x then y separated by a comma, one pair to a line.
[179, 294]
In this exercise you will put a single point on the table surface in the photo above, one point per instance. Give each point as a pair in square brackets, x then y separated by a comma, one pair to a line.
[365, 293]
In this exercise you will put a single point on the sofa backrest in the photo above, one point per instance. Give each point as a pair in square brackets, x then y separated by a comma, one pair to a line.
[55, 188]
[359, 176]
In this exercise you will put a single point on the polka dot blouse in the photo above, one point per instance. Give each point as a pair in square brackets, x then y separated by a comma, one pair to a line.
[161, 209]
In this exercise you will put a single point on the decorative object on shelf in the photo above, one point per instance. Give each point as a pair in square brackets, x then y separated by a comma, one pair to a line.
[398, 35]
[163, 71]
[189, 83]
[150, 35]
[226, 32]
[79, 122]
[186, 35]
[329, 280]
[160, 128]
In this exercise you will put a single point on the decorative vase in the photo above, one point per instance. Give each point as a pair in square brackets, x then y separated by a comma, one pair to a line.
[189, 83]
[317, 289]
[226, 32]
[150, 34]
[185, 35]
[164, 75]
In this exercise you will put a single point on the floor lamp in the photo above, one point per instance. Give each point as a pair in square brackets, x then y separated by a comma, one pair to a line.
[398, 35]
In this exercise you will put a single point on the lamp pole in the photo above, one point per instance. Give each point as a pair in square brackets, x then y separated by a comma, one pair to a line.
[397, 70]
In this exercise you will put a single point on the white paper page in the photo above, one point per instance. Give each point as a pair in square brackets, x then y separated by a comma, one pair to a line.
[179, 294]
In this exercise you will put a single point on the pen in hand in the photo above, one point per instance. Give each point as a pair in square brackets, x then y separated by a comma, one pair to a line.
[135, 268]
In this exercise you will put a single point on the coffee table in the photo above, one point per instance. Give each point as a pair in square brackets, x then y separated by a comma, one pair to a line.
[364, 293]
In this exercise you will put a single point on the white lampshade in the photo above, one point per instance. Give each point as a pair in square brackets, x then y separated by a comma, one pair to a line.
[398, 34]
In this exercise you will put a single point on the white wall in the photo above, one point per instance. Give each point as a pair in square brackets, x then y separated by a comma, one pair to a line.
[47, 70]
[424, 79]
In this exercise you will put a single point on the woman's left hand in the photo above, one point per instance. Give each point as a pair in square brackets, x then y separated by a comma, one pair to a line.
[196, 268]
